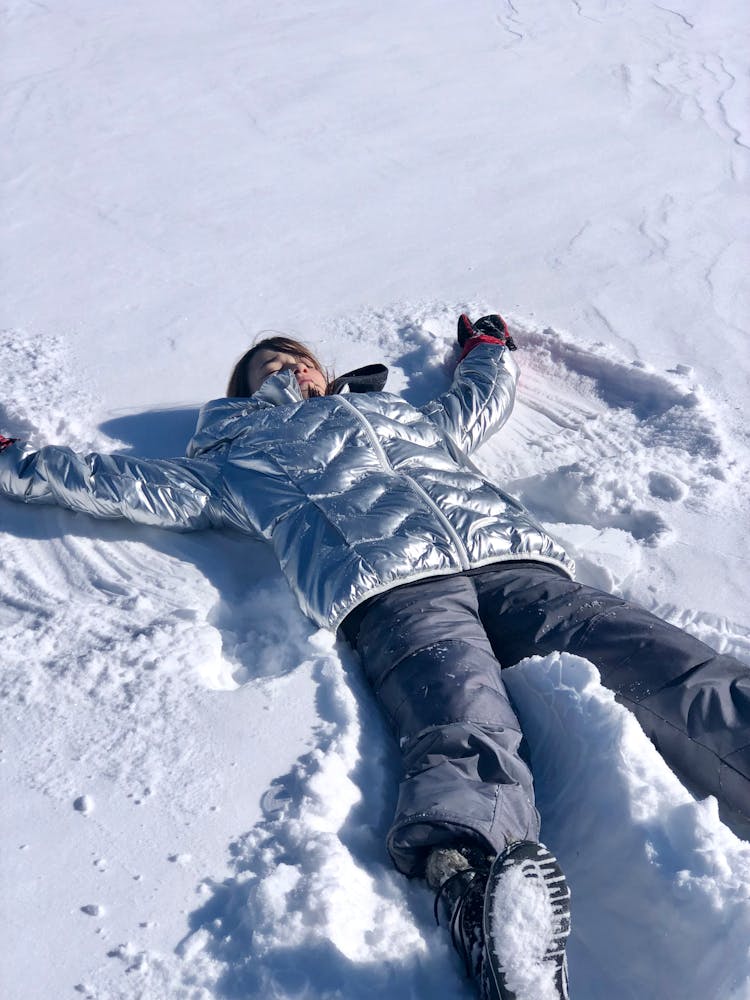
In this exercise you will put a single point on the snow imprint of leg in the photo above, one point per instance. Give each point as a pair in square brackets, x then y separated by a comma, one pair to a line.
[313, 901]
[630, 839]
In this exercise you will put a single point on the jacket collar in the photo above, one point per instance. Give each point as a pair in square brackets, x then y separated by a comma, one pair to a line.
[279, 388]
[371, 378]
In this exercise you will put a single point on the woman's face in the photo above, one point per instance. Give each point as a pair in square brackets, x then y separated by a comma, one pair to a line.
[311, 380]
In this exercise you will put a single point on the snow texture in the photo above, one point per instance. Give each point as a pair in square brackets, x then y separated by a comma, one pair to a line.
[196, 782]
[524, 922]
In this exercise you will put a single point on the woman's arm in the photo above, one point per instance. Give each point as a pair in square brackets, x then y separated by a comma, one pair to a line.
[482, 395]
[176, 493]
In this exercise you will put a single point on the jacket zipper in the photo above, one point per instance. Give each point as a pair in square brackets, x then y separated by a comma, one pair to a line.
[461, 549]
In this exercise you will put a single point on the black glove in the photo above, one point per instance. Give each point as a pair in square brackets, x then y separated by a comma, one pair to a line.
[6, 442]
[495, 326]
[488, 326]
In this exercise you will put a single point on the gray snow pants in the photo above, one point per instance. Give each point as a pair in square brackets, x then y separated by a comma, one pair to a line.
[433, 652]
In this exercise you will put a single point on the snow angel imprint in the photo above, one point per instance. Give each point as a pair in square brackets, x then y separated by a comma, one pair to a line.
[385, 530]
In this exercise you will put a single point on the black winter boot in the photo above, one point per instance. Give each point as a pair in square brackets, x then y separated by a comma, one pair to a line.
[509, 918]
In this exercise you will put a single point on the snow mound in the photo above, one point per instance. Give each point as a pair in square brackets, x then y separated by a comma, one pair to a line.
[660, 887]
[313, 907]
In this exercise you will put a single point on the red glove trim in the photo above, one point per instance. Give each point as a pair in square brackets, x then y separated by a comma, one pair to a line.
[6, 442]
[476, 340]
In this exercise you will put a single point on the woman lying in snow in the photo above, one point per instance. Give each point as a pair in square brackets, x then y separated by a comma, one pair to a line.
[385, 529]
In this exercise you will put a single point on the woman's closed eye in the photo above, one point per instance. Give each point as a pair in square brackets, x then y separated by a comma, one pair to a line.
[276, 366]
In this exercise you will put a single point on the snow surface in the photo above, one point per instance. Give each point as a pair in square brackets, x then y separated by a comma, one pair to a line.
[524, 927]
[196, 783]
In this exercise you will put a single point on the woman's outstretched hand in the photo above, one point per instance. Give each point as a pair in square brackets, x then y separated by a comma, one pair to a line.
[487, 330]
[6, 442]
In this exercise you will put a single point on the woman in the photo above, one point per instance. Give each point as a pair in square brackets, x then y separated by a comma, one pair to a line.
[384, 528]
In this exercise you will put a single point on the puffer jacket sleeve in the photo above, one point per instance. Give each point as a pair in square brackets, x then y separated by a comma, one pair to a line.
[480, 399]
[167, 493]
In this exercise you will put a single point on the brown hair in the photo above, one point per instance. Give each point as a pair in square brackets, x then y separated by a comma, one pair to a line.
[239, 381]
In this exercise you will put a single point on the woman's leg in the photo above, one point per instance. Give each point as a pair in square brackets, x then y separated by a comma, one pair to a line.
[693, 702]
[426, 654]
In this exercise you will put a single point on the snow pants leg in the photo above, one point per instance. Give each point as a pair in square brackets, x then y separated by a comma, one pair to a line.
[433, 652]
[693, 702]
[431, 665]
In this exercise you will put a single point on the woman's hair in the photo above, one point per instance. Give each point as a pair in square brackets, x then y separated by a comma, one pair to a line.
[239, 382]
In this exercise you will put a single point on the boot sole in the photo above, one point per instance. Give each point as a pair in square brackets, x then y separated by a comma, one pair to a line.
[526, 861]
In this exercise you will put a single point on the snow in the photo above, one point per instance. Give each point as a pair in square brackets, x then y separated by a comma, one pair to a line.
[660, 888]
[196, 782]
[523, 927]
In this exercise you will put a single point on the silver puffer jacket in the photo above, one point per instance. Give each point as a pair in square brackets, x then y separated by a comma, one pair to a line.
[357, 492]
